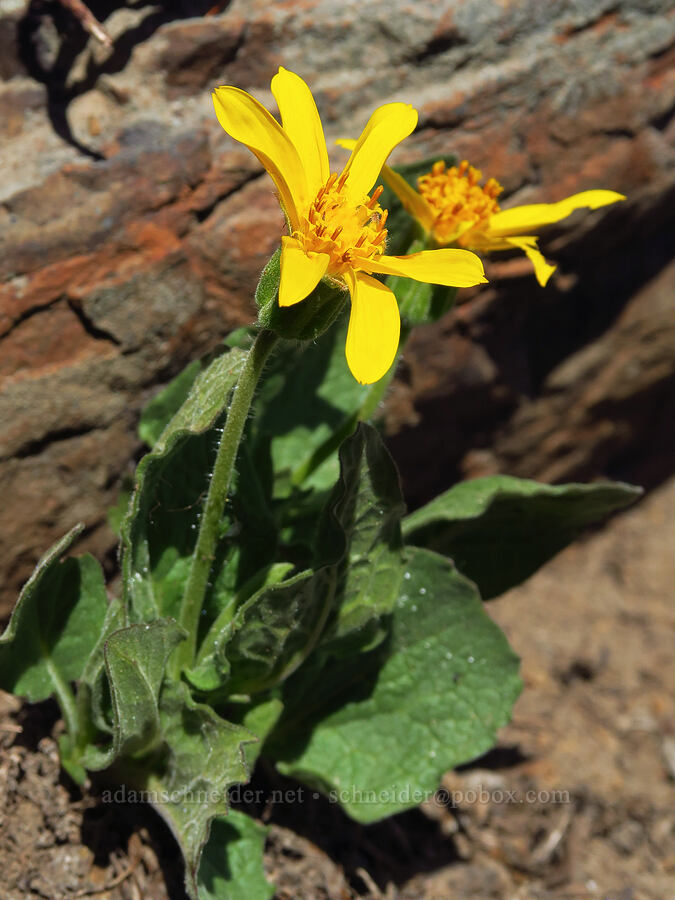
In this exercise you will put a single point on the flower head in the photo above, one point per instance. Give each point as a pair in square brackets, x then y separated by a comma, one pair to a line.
[454, 208]
[337, 227]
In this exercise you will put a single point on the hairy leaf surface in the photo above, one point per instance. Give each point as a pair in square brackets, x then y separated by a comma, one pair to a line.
[135, 661]
[203, 756]
[367, 505]
[378, 734]
[160, 530]
[55, 624]
[232, 862]
[268, 637]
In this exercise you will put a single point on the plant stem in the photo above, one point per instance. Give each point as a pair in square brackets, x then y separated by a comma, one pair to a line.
[209, 528]
[66, 700]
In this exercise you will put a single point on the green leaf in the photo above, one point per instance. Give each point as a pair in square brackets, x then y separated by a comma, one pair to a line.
[164, 405]
[135, 661]
[54, 629]
[377, 735]
[367, 505]
[308, 396]
[267, 291]
[54, 626]
[259, 717]
[117, 513]
[92, 690]
[178, 753]
[211, 668]
[269, 636]
[273, 632]
[207, 400]
[94, 745]
[304, 321]
[232, 862]
[241, 337]
[202, 758]
[244, 559]
[499, 529]
[159, 532]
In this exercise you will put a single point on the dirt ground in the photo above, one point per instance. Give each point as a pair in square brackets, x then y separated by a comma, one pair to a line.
[577, 801]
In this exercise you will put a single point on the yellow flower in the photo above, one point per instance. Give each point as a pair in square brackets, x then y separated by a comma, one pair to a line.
[453, 208]
[337, 227]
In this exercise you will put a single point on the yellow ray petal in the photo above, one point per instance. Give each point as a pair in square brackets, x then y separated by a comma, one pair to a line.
[300, 272]
[246, 120]
[411, 199]
[522, 219]
[542, 269]
[386, 128]
[301, 122]
[413, 202]
[454, 268]
[374, 328]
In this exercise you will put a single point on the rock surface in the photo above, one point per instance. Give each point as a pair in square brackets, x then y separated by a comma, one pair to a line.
[132, 231]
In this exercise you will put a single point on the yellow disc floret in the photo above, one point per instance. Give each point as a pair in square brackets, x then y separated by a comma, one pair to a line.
[459, 202]
[350, 234]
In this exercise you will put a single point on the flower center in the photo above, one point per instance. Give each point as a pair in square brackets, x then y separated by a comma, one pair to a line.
[350, 234]
[459, 202]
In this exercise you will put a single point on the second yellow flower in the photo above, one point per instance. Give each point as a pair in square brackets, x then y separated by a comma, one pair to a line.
[337, 227]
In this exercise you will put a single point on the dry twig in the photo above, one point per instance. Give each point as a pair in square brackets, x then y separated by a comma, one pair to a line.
[88, 20]
[118, 879]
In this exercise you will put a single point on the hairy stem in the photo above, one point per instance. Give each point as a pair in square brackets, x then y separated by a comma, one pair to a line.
[209, 528]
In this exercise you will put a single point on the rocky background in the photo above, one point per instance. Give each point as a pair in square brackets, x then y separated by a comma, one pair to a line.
[132, 231]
